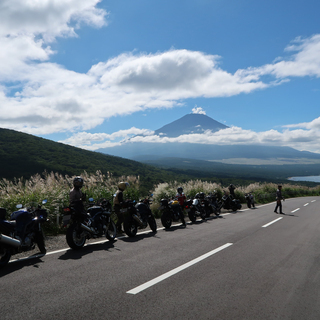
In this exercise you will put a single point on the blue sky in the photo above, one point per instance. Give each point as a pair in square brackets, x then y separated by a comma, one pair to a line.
[91, 73]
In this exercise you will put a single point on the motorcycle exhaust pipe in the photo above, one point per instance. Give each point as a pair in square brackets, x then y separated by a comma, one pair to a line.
[9, 241]
[83, 226]
[135, 217]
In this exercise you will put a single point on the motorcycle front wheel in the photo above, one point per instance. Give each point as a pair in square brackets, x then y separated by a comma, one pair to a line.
[203, 215]
[152, 223]
[5, 255]
[40, 242]
[192, 216]
[166, 220]
[130, 227]
[75, 237]
[111, 232]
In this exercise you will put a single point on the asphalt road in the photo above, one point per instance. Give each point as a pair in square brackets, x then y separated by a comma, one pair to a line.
[253, 264]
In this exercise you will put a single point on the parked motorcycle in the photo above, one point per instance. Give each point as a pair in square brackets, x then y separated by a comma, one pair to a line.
[170, 211]
[211, 205]
[197, 209]
[249, 200]
[138, 215]
[229, 203]
[22, 231]
[84, 224]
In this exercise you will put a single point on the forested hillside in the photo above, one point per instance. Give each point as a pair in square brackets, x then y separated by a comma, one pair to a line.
[23, 155]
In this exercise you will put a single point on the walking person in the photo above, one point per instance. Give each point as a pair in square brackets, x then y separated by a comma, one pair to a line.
[231, 190]
[279, 197]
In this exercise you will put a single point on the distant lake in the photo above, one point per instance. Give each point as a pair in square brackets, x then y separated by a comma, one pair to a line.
[307, 178]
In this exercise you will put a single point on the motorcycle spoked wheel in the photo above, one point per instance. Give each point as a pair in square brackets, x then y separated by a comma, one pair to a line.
[40, 242]
[192, 216]
[75, 238]
[152, 223]
[208, 212]
[166, 220]
[217, 211]
[130, 227]
[203, 215]
[111, 232]
[5, 255]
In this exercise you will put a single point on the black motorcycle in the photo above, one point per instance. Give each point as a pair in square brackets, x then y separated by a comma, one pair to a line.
[249, 200]
[138, 215]
[83, 224]
[170, 211]
[229, 203]
[211, 205]
[196, 208]
[22, 231]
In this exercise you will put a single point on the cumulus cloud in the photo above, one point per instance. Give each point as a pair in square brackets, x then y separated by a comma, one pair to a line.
[198, 110]
[88, 140]
[305, 61]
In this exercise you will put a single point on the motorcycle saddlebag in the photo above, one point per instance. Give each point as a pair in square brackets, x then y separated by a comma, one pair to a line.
[3, 213]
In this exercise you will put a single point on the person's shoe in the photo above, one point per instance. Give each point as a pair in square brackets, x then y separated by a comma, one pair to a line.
[282, 213]
[184, 223]
[275, 211]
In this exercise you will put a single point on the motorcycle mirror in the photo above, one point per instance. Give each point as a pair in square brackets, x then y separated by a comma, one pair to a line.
[91, 199]
[44, 201]
[151, 195]
[19, 206]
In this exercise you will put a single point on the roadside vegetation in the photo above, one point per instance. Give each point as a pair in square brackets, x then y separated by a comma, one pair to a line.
[55, 188]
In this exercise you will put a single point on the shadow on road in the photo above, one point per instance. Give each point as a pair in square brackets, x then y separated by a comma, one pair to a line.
[139, 237]
[78, 254]
[14, 265]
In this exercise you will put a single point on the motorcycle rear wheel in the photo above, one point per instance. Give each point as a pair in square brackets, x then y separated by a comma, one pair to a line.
[111, 232]
[75, 237]
[5, 255]
[166, 220]
[152, 223]
[130, 228]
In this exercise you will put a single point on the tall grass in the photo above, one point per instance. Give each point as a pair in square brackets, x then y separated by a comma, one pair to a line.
[56, 187]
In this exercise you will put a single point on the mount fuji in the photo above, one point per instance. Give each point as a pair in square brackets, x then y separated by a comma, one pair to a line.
[200, 123]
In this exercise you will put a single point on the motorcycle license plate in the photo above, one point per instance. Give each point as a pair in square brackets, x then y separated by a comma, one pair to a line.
[66, 219]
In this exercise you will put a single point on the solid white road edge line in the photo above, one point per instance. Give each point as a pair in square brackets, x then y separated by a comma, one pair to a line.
[268, 224]
[176, 270]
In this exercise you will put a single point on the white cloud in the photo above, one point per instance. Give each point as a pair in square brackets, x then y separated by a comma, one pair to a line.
[88, 140]
[48, 18]
[198, 110]
[305, 62]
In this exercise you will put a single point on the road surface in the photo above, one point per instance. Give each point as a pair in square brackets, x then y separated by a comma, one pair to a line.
[252, 264]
